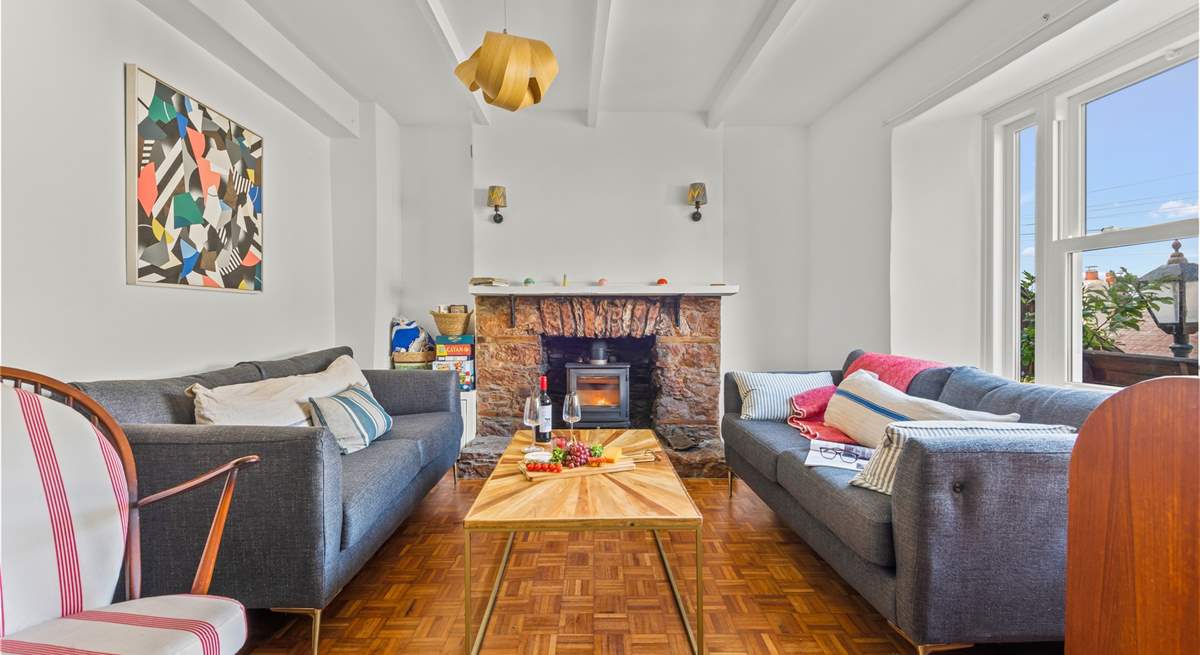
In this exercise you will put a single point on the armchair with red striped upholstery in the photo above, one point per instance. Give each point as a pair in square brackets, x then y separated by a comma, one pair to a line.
[69, 518]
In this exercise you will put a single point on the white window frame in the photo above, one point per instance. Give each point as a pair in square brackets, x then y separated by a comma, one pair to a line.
[1057, 109]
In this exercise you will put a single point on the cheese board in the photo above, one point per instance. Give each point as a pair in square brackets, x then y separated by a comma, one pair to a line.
[578, 472]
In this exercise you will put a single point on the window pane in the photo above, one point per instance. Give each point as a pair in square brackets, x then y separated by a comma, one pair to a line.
[1124, 290]
[1026, 187]
[1141, 152]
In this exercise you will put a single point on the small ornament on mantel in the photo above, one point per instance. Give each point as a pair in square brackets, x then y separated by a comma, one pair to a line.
[662, 282]
[564, 280]
[602, 281]
[528, 282]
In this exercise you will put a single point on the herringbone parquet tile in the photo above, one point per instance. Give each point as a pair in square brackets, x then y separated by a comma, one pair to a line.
[766, 592]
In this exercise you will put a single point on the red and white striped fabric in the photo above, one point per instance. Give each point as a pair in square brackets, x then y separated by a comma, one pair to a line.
[63, 512]
[64, 516]
[180, 625]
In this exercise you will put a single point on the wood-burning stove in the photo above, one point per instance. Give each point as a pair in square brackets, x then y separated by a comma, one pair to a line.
[603, 391]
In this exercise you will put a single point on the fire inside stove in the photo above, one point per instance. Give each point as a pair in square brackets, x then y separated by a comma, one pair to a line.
[603, 392]
[598, 390]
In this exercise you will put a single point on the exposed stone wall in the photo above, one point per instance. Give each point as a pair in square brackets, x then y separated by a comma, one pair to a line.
[687, 356]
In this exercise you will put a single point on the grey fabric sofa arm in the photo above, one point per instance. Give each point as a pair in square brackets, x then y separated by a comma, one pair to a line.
[980, 528]
[414, 392]
[284, 524]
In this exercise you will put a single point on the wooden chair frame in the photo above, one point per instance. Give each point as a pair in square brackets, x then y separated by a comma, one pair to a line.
[70, 396]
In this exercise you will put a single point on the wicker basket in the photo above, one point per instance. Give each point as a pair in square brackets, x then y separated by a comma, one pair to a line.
[452, 325]
[413, 358]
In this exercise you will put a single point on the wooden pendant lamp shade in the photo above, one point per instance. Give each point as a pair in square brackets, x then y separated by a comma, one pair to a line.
[514, 72]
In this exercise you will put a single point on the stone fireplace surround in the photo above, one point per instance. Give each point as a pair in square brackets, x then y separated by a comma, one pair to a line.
[686, 373]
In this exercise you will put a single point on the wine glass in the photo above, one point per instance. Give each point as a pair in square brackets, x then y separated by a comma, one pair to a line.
[531, 415]
[572, 412]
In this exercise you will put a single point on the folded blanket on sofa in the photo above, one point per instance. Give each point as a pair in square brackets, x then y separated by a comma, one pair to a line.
[818, 430]
[810, 405]
[895, 370]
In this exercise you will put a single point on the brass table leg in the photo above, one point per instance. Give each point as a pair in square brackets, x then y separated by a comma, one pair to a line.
[467, 589]
[473, 645]
[695, 637]
[699, 591]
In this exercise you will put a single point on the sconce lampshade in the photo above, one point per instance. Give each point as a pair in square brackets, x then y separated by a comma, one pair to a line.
[513, 71]
[697, 194]
[497, 197]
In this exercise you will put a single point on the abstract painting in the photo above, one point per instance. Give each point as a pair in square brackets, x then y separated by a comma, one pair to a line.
[195, 191]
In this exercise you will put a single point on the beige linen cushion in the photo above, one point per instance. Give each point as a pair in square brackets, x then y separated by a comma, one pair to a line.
[863, 407]
[277, 401]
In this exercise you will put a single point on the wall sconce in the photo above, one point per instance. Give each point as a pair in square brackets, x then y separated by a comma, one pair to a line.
[497, 198]
[697, 195]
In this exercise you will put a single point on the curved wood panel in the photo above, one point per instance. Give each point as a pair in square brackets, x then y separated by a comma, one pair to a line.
[1133, 524]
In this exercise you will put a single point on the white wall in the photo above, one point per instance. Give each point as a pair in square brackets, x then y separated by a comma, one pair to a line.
[366, 182]
[935, 240]
[764, 325]
[849, 163]
[608, 201]
[437, 235]
[67, 309]
[353, 183]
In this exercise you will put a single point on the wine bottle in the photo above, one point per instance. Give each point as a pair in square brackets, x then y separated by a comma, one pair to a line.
[544, 413]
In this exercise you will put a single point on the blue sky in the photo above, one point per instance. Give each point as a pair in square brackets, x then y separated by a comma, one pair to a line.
[1141, 159]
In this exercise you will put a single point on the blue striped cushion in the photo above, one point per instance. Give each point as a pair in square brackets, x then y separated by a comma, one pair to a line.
[767, 396]
[353, 416]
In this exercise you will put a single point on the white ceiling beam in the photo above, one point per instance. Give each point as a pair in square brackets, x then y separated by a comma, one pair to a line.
[237, 35]
[435, 13]
[599, 45]
[773, 21]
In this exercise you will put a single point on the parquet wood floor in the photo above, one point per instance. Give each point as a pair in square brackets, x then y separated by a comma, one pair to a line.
[766, 592]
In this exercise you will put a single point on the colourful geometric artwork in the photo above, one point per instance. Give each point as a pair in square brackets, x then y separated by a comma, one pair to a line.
[195, 191]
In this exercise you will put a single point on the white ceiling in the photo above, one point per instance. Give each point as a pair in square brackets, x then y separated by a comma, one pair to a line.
[661, 55]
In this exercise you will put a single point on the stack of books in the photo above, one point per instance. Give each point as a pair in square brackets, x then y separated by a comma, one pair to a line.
[457, 354]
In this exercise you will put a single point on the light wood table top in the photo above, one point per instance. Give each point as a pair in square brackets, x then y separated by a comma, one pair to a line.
[650, 496]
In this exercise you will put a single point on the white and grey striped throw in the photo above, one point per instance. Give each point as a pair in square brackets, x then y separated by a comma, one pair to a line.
[768, 396]
[880, 472]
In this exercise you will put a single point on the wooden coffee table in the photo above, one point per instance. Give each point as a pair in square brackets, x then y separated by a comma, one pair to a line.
[650, 497]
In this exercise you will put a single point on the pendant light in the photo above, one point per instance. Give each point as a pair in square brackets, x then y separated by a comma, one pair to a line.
[513, 71]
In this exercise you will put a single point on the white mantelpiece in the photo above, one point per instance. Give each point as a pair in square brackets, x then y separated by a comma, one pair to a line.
[607, 290]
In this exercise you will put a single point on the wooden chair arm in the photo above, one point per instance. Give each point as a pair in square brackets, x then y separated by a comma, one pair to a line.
[208, 559]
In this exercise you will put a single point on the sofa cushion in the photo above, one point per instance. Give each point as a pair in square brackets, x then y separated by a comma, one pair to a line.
[274, 401]
[766, 396]
[971, 388]
[164, 400]
[313, 362]
[862, 519]
[864, 405]
[760, 442]
[372, 478]
[432, 432]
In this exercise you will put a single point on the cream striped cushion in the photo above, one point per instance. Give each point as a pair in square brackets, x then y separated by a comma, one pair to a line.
[353, 416]
[863, 407]
[880, 472]
[767, 396]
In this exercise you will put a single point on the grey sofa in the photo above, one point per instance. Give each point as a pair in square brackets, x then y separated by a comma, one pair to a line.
[971, 546]
[307, 518]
